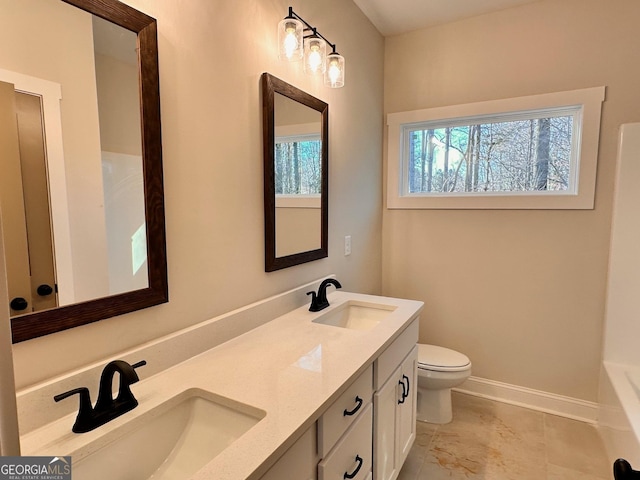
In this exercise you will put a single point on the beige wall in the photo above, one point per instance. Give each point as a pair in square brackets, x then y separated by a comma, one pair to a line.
[520, 292]
[211, 56]
[297, 230]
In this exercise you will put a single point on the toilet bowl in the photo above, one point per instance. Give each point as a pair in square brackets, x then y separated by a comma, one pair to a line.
[439, 370]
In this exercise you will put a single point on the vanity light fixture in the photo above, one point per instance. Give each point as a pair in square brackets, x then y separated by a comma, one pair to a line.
[298, 40]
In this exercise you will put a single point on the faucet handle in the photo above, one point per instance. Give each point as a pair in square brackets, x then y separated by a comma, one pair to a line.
[141, 363]
[80, 391]
[84, 418]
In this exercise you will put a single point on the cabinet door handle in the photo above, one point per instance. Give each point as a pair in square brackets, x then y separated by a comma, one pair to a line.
[348, 413]
[355, 472]
[404, 377]
[404, 391]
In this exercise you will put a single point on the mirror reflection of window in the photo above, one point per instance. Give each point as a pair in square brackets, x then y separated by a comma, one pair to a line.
[298, 176]
[297, 165]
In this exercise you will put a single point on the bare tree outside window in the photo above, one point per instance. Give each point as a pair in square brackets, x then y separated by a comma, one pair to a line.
[511, 156]
[297, 167]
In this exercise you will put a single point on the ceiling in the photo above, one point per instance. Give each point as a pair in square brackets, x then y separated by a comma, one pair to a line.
[392, 17]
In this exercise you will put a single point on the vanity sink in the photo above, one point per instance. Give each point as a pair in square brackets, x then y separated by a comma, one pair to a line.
[356, 315]
[172, 441]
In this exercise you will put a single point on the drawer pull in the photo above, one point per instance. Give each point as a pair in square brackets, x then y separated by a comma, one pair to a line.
[348, 413]
[355, 472]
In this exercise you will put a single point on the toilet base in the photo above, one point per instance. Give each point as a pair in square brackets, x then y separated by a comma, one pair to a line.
[434, 406]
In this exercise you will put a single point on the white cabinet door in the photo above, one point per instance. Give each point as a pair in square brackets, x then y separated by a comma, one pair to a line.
[406, 426]
[394, 420]
[385, 401]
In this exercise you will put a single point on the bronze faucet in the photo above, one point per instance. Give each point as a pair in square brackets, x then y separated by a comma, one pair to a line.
[319, 301]
[107, 408]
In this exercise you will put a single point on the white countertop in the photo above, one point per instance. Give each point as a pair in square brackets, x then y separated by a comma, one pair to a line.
[290, 367]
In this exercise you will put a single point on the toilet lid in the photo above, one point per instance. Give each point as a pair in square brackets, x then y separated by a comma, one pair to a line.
[432, 357]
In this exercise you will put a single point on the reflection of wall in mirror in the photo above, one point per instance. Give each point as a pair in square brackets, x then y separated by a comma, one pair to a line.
[124, 210]
[290, 112]
[53, 41]
[298, 224]
[118, 100]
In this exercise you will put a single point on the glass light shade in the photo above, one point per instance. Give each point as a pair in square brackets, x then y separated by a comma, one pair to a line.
[315, 54]
[290, 39]
[334, 73]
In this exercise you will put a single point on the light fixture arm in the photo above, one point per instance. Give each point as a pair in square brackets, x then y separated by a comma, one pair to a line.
[308, 26]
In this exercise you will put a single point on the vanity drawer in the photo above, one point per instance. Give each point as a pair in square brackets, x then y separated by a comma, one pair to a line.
[344, 411]
[386, 363]
[352, 454]
[299, 462]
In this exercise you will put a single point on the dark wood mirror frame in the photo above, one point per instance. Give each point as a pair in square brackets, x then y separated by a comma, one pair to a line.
[270, 86]
[37, 324]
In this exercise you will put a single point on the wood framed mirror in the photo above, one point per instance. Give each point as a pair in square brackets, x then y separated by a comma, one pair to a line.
[295, 128]
[107, 231]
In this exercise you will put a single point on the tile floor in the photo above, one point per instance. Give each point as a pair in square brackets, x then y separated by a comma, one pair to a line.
[490, 440]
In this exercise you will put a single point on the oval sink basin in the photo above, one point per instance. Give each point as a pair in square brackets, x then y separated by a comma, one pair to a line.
[356, 315]
[172, 441]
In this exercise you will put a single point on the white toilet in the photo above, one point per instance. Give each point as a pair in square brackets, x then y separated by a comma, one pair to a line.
[439, 370]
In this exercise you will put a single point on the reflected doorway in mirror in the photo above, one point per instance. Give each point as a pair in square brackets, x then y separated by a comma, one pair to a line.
[102, 54]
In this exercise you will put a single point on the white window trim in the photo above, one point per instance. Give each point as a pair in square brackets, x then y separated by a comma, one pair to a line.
[298, 130]
[591, 101]
[309, 137]
[298, 201]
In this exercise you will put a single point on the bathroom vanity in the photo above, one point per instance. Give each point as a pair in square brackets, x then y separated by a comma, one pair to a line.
[319, 395]
[370, 427]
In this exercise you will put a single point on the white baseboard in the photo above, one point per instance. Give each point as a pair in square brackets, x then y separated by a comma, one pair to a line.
[533, 399]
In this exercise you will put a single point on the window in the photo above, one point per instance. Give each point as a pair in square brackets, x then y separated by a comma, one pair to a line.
[527, 152]
[534, 153]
